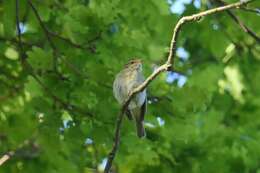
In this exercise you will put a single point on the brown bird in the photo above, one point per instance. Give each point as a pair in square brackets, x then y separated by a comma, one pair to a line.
[126, 80]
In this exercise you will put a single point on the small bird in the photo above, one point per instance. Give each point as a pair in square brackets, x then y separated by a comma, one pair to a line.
[126, 80]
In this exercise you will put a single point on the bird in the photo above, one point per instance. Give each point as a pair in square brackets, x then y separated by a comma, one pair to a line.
[126, 80]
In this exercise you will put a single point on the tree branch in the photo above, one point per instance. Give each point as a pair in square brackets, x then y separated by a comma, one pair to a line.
[15, 41]
[169, 64]
[252, 10]
[6, 157]
[49, 34]
[67, 106]
[196, 17]
[240, 22]
[89, 48]
[21, 151]
[22, 58]
[45, 30]
[27, 66]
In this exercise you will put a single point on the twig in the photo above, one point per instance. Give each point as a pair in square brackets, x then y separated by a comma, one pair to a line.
[196, 17]
[65, 105]
[90, 48]
[49, 34]
[169, 64]
[252, 10]
[78, 72]
[27, 66]
[13, 91]
[6, 157]
[17, 23]
[45, 30]
[19, 151]
[11, 153]
[22, 58]
[15, 41]
[239, 22]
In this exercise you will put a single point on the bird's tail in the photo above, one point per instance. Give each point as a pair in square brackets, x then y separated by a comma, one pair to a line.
[139, 122]
[140, 128]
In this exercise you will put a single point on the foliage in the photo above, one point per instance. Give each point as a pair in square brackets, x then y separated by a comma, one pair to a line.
[63, 120]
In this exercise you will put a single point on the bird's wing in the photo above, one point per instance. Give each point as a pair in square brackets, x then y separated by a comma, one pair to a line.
[143, 110]
[129, 114]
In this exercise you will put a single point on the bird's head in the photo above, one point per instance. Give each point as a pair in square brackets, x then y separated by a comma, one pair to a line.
[134, 64]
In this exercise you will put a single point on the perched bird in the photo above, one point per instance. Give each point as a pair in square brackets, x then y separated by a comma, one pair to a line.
[126, 80]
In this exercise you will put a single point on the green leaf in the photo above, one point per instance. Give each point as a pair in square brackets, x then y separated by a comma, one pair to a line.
[40, 59]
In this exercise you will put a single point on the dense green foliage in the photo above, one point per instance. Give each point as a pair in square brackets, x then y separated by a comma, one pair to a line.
[62, 120]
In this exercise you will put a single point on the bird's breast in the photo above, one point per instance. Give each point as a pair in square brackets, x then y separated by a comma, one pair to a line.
[138, 100]
[125, 82]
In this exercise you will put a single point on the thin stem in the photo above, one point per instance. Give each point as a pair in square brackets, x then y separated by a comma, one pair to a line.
[240, 22]
[45, 30]
[196, 17]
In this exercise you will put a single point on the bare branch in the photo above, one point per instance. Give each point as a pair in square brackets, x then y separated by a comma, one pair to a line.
[6, 157]
[169, 64]
[21, 151]
[196, 17]
[140, 88]
[240, 22]
[252, 10]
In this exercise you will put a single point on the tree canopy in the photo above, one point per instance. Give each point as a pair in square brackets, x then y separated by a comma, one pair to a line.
[59, 58]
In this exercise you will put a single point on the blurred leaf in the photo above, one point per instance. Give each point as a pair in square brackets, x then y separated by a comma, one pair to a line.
[39, 58]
